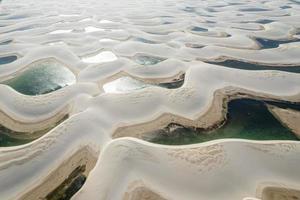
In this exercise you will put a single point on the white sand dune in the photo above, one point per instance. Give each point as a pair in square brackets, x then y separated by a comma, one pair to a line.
[204, 171]
[101, 41]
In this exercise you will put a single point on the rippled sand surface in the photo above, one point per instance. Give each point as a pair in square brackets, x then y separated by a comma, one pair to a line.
[85, 85]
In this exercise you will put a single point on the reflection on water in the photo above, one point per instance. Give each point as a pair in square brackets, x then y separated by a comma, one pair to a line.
[42, 77]
[123, 85]
[127, 84]
[9, 137]
[254, 9]
[13, 17]
[105, 56]
[6, 141]
[140, 39]
[91, 29]
[236, 64]
[246, 119]
[174, 84]
[189, 9]
[60, 31]
[147, 60]
[70, 186]
[268, 44]
[264, 21]
[7, 59]
[199, 29]
[194, 45]
[5, 42]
